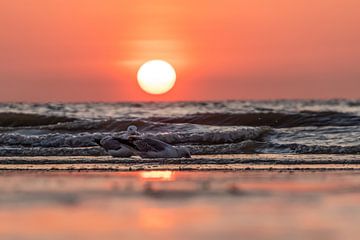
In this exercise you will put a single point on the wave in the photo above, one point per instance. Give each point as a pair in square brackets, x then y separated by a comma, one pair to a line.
[63, 151]
[215, 136]
[271, 119]
[114, 125]
[212, 136]
[254, 147]
[277, 120]
[12, 119]
[311, 149]
[244, 147]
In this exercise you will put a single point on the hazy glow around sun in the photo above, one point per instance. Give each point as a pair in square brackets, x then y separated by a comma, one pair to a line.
[156, 76]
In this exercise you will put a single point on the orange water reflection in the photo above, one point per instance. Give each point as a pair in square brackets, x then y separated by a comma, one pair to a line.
[264, 205]
[157, 175]
[126, 219]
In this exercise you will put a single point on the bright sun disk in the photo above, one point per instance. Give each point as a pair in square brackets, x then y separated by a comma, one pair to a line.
[156, 77]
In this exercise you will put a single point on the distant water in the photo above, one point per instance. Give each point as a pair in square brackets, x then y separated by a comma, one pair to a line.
[318, 127]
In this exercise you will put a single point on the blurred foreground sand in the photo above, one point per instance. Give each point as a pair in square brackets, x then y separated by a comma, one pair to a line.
[277, 202]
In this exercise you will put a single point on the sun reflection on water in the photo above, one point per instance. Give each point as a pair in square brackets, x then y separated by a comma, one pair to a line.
[157, 175]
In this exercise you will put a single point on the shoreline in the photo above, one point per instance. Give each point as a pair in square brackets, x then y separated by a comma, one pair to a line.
[234, 162]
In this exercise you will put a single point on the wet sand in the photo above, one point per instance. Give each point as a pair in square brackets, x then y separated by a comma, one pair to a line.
[198, 162]
[208, 197]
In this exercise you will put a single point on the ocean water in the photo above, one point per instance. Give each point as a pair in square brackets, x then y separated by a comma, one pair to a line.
[226, 127]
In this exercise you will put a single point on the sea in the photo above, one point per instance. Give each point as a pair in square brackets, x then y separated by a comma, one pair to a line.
[205, 128]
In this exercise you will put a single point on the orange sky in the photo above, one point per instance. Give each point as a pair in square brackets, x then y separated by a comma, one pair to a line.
[90, 50]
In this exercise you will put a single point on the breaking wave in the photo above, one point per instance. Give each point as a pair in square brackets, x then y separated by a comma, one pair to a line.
[247, 146]
[278, 120]
[86, 139]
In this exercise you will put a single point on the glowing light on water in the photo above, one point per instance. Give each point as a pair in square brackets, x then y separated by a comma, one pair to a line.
[157, 175]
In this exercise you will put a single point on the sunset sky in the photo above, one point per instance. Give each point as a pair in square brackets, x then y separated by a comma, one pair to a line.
[90, 50]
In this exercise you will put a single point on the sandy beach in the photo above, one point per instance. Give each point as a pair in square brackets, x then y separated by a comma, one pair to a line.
[252, 196]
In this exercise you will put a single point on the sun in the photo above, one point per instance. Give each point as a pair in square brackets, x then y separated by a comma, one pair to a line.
[156, 76]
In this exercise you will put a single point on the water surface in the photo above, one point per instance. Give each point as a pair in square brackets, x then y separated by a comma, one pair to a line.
[227, 127]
